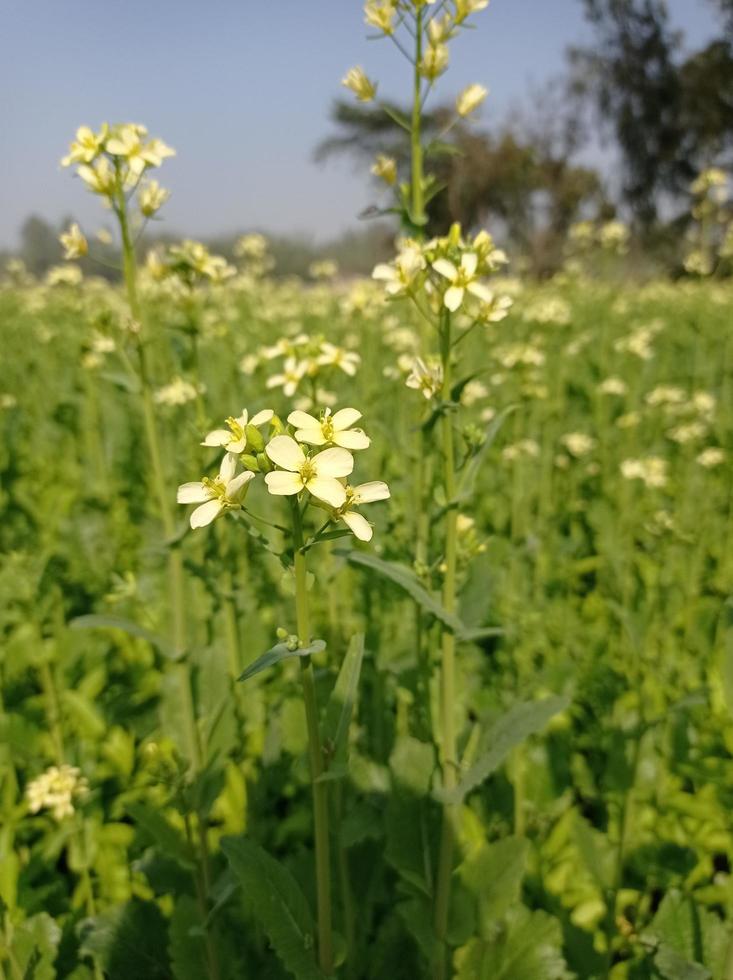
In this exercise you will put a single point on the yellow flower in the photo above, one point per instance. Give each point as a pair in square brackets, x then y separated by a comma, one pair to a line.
[152, 198]
[127, 142]
[470, 99]
[357, 80]
[336, 429]
[464, 8]
[74, 242]
[86, 146]
[319, 474]
[434, 62]
[99, 177]
[385, 168]
[380, 15]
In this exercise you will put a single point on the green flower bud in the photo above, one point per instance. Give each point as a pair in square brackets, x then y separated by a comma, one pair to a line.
[264, 463]
[254, 438]
[250, 462]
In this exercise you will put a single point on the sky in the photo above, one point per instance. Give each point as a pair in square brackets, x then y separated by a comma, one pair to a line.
[242, 90]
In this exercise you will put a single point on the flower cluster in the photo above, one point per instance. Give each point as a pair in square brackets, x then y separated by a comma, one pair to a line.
[56, 790]
[310, 457]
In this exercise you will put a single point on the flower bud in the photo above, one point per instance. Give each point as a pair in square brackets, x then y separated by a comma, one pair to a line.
[385, 168]
[470, 99]
[255, 438]
[250, 463]
[263, 463]
[357, 80]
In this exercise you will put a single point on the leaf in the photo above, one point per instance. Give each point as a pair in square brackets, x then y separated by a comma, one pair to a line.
[406, 579]
[276, 901]
[84, 713]
[494, 875]
[34, 945]
[127, 382]
[340, 705]
[596, 851]
[468, 479]
[439, 148]
[529, 949]
[518, 723]
[186, 946]
[281, 651]
[94, 622]
[165, 835]
[398, 117]
[130, 940]
[671, 966]
[413, 764]
[689, 937]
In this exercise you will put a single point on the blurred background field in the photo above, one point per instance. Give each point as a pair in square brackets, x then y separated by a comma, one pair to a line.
[594, 557]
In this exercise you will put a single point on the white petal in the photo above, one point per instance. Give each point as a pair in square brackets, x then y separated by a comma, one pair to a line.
[453, 298]
[285, 452]
[206, 513]
[446, 268]
[469, 263]
[358, 524]
[283, 484]
[302, 420]
[328, 489]
[237, 445]
[352, 439]
[334, 462]
[261, 417]
[478, 289]
[314, 436]
[219, 437]
[236, 485]
[192, 493]
[383, 271]
[368, 493]
[345, 418]
[227, 468]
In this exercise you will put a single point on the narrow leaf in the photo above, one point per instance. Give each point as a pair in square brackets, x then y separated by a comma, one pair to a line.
[94, 622]
[340, 705]
[281, 651]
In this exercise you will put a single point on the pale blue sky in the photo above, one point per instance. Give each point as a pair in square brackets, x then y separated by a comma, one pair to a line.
[241, 89]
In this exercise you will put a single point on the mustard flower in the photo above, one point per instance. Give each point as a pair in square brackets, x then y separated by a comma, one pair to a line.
[74, 242]
[470, 99]
[87, 145]
[385, 168]
[318, 474]
[357, 80]
[462, 279]
[224, 492]
[152, 198]
[337, 429]
[235, 438]
[365, 493]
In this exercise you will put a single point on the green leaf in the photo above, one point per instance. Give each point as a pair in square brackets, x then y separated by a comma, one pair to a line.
[468, 479]
[34, 945]
[281, 651]
[85, 715]
[671, 966]
[528, 949]
[413, 764]
[439, 148]
[398, 117]
[276, 901]
[164, 834]
[340, 705]
[692, 941]
[406, 579]
[130, 940]
[495, 875]
[518, 723]
[186, 945]
[95, 622]
[125, 381]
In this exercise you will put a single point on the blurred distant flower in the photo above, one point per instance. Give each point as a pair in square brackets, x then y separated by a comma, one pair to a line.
[74, 242]
[381, 14]
[56, 790]
[359, 83]
[332, 356]
[86, 146]
[129, 142]
[425, 377]
[434, 62]
[152, 198]
[652, 470]
[385, 168]
[710, 457]
[470, 99]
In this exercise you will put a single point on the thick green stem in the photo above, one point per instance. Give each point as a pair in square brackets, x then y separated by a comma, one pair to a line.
[165, 501]
[447, 673]
[315, 752]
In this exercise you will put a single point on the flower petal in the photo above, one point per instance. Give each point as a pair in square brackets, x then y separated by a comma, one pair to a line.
[446, 268]
[384, 272]
[358, 524]
[469, 263]
[333, 462]
[237, 484]
[283, 484]
[352, 439]
[481, 291]
[219, 437]
[192, 493]
[368, 493]
[302, 420]
[206, 513]
[313, 436]
[453, 298]
[345, 418]
[227, 468]
[328, 489]
[285, 452]
[261, 417]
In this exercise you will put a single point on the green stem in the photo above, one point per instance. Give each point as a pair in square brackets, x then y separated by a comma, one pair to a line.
[175, 558]
[447, 675]
[320, 791]
[416, 153]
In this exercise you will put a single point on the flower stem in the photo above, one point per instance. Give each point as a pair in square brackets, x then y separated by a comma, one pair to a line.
[416, 155]
[447, 672]
[320, 791]
[175, 559]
